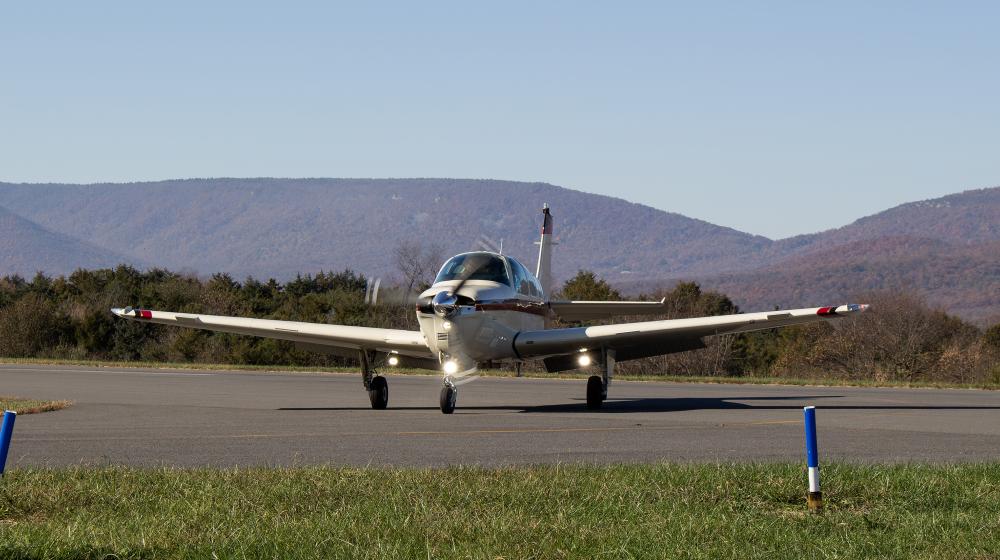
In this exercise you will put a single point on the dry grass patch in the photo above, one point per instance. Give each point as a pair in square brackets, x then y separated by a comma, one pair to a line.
[30, 406]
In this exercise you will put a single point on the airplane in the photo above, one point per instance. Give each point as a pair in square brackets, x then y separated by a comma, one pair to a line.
[487, 307]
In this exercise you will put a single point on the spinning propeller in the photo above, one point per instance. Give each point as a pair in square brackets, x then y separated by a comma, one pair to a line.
[446, 302]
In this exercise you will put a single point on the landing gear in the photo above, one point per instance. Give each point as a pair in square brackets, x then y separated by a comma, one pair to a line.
[597, 386]
[595, 392]
[375, 384]
[378, 392]
[449, 396]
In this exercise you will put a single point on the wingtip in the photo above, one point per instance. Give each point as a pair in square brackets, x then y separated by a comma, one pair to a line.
[126, 312]
[842, 310]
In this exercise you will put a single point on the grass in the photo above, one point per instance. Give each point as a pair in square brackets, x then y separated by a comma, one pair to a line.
[741, 380]
[30, 406]
[650, 511]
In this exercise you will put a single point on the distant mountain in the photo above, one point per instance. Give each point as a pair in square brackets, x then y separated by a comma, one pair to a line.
[964, 218]
[278, 227]
[26, 248]
[962, 278]
[946, 249]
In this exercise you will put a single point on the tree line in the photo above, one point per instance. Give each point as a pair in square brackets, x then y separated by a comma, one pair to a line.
[68, 317]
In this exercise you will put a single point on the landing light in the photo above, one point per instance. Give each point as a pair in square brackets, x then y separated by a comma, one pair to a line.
[583, 360]
[393, 361]
[447, 325]
[451, 367]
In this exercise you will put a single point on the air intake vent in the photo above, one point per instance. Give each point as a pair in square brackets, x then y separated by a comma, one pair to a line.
[443, 336]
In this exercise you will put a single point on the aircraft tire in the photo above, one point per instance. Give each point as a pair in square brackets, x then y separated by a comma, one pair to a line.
[595, 392]
[449, 397]
[378, 392]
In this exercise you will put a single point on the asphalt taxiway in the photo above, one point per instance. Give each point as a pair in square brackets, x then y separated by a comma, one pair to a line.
[154, 417]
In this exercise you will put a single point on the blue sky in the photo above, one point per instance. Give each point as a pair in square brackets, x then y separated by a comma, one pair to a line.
[773, 118]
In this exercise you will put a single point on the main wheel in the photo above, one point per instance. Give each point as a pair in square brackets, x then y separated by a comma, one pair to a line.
[449, 396]
[595, 392]
[378, 392]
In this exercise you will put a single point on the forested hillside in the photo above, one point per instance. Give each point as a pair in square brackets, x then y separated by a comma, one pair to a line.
[961, 278]
[27, 246]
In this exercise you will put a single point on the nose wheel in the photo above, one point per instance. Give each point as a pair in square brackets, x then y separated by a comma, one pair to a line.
[449, 396]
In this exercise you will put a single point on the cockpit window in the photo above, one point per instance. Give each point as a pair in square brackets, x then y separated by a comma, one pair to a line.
[475, 266]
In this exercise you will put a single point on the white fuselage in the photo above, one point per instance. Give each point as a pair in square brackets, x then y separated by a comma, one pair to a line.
[483, 326]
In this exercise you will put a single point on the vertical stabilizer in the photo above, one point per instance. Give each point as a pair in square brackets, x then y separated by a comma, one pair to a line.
[544, 272]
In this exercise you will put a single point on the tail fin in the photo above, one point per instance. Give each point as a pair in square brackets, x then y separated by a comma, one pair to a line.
[544, 272]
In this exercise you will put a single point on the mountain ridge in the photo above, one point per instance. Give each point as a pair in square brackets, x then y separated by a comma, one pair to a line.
[26, 247]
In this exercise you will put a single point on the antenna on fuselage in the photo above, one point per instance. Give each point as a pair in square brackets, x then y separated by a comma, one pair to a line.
[500, 252]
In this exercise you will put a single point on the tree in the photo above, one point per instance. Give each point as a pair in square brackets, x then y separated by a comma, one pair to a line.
[992, 337]
[417, 264]
[586, 286]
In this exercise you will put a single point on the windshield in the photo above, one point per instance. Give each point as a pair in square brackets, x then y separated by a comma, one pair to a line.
[475, 266]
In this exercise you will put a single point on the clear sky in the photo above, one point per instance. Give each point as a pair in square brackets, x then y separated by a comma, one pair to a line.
[773, 118]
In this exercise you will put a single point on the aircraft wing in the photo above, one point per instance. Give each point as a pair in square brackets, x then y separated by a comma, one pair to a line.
[312, 336]
[559, 347]
[587, 310]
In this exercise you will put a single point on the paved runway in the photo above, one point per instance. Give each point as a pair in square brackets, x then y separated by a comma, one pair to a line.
[188, 418]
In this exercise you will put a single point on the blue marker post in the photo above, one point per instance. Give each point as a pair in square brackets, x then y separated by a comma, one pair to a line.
[815, 498]
[5, 432]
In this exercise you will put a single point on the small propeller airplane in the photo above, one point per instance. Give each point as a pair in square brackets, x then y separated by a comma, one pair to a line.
[487, 307]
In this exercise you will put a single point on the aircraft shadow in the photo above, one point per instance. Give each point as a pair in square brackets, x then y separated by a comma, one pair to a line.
[666, 404]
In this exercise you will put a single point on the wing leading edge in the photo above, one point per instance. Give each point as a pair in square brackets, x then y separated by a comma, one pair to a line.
[654, 338]
[312, 335]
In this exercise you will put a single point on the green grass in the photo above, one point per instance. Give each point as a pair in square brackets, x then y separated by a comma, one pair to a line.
[30, 406]
[656, 511]
[579, 374]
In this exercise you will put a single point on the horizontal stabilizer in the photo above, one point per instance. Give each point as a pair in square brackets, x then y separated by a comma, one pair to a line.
[588, 310]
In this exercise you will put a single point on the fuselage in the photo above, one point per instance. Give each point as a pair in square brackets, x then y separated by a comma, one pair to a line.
[497, 297]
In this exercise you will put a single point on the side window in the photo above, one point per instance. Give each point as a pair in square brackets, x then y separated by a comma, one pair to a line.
[519, 279]
[525, 283]
[536, 287]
